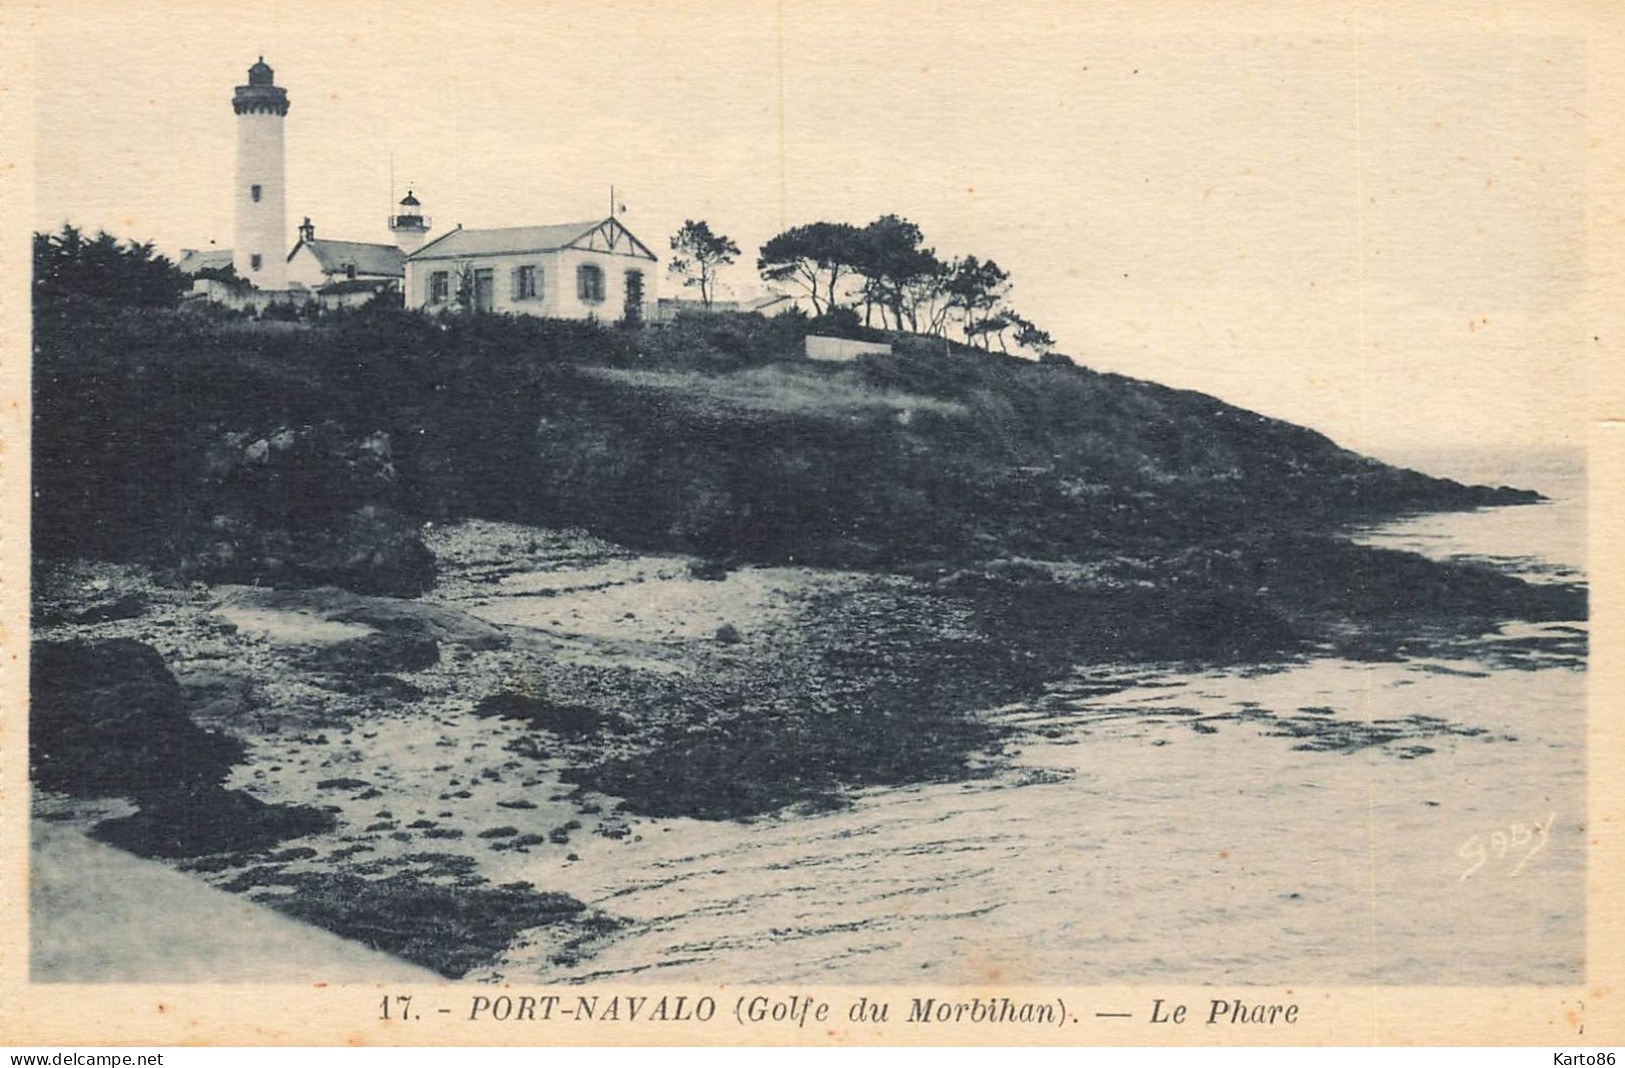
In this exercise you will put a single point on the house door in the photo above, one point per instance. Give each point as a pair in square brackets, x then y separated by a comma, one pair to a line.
[632, 306]
[484, 289]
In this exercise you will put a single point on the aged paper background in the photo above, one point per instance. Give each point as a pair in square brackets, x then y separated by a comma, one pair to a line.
[1567, 380]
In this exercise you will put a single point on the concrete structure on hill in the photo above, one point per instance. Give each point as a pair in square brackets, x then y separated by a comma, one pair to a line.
[670, 309]
[843, 349]
[585, 270]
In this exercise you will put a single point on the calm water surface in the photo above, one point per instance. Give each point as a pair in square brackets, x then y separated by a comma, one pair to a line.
[1327, 822]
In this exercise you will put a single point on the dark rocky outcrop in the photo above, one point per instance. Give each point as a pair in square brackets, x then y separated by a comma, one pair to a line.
[208, 820]
[124, 606]
[376, 654]
[567, 720]
[451, 929]
[306, 506]
[107, 719]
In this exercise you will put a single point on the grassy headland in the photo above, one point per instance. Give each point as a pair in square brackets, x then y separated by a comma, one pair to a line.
[256, 451]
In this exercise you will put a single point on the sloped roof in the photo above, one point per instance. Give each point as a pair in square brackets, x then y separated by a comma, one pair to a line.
[510, 239]
[336, 256]
[602, 235]
[194, 260]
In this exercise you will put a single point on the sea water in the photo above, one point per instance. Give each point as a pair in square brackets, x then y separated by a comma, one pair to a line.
[1324, 822]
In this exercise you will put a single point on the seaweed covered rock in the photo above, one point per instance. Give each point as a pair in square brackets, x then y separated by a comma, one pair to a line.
[121, 606]
[106, 719]
[376, 653]
[542, 713]
[1227, 626]
[206, 820]
[452, 929]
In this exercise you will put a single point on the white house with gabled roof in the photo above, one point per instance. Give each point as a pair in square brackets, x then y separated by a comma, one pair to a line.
[586, 270]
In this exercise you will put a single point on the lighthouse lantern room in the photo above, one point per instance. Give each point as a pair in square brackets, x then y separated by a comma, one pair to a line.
[409, 224]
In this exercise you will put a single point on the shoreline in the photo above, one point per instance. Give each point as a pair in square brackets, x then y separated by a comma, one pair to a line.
[580, 696]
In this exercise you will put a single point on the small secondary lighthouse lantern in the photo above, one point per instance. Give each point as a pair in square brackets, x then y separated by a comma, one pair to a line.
[260, 250]
[409, 224]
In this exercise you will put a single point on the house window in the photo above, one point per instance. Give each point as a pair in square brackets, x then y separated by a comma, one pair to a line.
[349, 270]
[254, 191]
[254, 261]
[590, 283]
[439, 287]
[524, 282]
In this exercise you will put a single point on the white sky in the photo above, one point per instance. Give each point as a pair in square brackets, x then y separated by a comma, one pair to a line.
[1378, 235]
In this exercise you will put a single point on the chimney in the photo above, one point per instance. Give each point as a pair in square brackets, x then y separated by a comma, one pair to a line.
[307, 230]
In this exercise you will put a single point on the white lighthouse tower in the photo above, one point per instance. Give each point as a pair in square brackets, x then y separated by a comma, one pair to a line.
[259, 251]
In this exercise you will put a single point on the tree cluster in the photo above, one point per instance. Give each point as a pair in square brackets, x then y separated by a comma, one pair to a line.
[887, 270]
[103, 268]
[884, 269]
